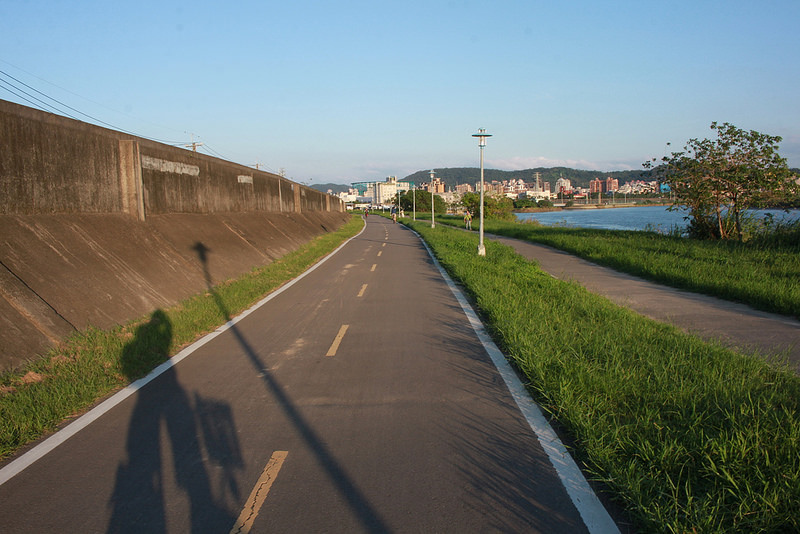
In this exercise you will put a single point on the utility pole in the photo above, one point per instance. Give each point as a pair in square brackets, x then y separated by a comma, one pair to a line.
[193, 145]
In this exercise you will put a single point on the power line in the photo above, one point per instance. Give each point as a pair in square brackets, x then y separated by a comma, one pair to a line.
[89, 100]
[63, 104]
[16, 88]
[61, 111]
[38, 105]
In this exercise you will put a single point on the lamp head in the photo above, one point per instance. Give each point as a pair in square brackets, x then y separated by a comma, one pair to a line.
[481, 135]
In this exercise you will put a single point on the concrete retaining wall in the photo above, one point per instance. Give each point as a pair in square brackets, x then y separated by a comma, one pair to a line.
[51, 164]
[98, 227]
[62, 273]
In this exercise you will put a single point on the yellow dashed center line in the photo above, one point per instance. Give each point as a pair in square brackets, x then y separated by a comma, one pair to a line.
[337, 340]
[363, 288]
[379, 253]
[373, 267]
[259, 493]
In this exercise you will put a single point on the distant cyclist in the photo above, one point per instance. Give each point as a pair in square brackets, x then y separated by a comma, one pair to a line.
[394, 214]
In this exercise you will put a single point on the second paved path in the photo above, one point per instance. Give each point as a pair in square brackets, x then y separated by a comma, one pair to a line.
[731, 323]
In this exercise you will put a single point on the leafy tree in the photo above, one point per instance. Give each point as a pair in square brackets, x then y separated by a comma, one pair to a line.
[423, 201]
[525, 203]
[472, 202]
[716, 180]
[493, 207]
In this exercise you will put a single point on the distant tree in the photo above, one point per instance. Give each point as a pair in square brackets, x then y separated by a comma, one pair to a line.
[500, 208]
[423, 201]
[716, 180]
[544, 203]
[472, 202]
[494, 208]
[525, 203]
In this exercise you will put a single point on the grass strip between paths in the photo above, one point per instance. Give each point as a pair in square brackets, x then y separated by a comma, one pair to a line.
[764, 276]
[689, 436]
[93, 363]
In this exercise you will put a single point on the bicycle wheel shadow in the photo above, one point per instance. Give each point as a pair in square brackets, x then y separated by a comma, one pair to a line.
[169, 435]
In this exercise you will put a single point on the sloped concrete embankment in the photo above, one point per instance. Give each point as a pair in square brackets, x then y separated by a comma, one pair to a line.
[61, 273]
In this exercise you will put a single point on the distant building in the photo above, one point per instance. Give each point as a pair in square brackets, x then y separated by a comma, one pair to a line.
[379, 193]
[612, 184]
[491, 188]
[539, 188]
[596, 186]
[638, 187]
[351, 195]
[563, 186]
[436, 186]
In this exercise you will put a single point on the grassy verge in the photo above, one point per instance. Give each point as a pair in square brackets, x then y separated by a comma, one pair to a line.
[766, 277]
[95, 362]
[689, 436]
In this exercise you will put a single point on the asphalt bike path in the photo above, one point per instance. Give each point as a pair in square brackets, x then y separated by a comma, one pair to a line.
[358, 399]
[733, 324]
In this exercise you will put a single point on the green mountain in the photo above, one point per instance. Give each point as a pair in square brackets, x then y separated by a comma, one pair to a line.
[471, 175]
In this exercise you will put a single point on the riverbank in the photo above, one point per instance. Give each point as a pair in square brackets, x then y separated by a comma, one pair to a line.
[592, 206]
[616, 205]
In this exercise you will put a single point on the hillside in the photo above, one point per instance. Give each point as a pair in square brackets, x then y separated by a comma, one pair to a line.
[461, 175]
[336, 188]
[579, 178]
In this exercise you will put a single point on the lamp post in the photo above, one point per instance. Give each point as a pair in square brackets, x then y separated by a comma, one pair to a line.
[433, 220]
[414, 199]
[481, 135]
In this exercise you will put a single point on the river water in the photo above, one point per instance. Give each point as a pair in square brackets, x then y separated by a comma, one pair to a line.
[634, 218]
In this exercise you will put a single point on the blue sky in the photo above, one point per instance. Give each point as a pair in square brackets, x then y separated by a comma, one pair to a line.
[360, 90]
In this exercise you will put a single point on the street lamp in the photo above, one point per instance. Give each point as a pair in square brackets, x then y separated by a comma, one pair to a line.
[398, 203]
[432, 188]
[481, 135]
[414, 199]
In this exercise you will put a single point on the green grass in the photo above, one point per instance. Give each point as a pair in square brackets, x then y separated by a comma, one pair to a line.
[94, 363]
[766, 277]
[688, 436]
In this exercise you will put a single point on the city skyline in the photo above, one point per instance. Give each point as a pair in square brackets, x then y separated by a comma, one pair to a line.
[358, 92]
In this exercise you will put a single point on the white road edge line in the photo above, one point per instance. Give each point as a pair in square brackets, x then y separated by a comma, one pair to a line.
[27, 459]
[591, 510]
